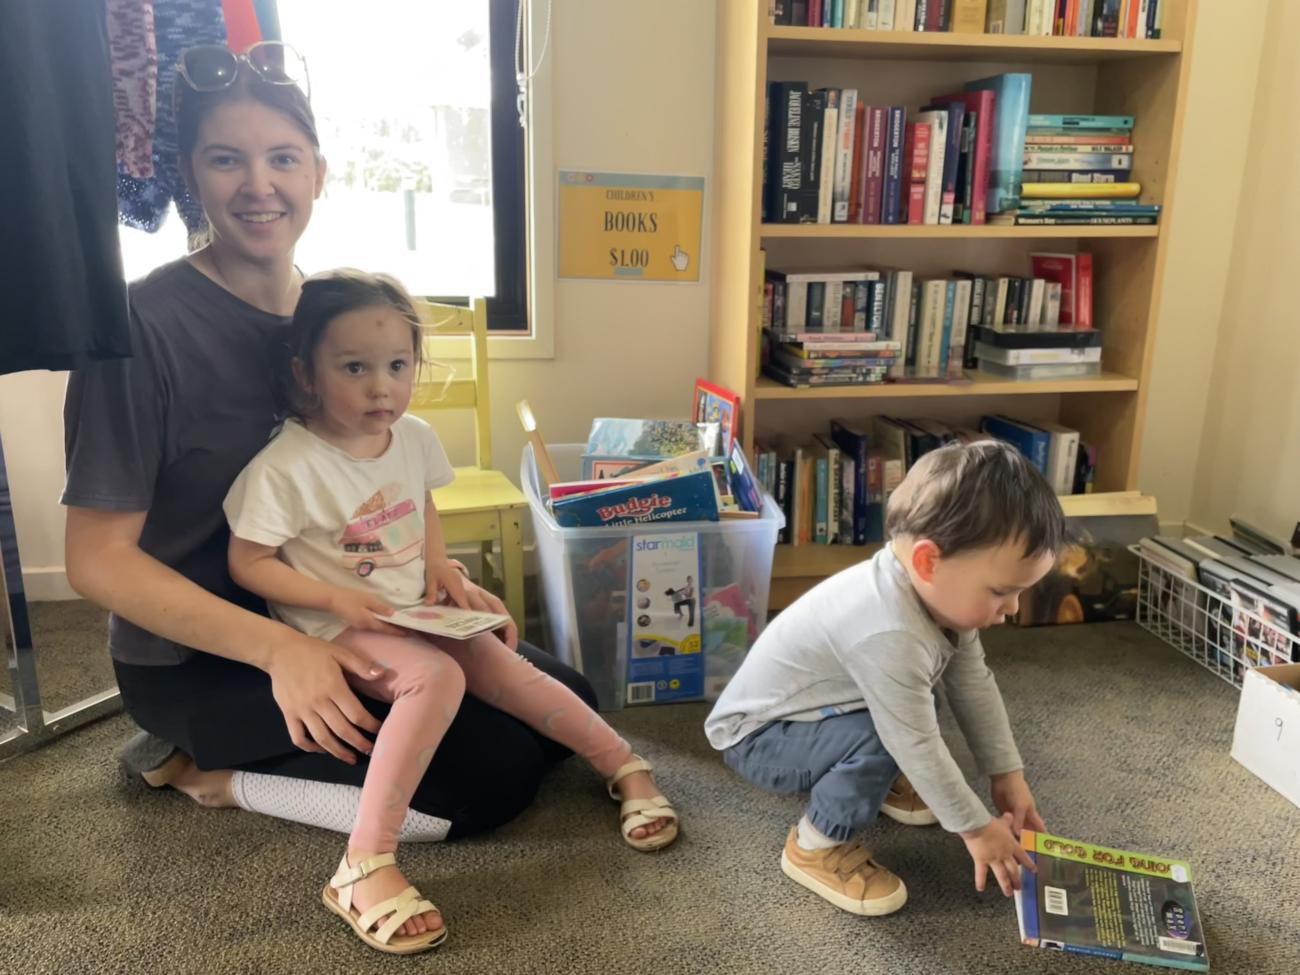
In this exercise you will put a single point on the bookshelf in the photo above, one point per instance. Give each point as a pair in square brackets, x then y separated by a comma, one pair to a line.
[1143, 78]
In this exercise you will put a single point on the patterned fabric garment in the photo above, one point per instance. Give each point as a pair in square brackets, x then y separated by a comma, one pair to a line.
[143, 203]
[242, 30]
[135, 83]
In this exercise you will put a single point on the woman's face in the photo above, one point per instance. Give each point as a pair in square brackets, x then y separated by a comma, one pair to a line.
[256, 175]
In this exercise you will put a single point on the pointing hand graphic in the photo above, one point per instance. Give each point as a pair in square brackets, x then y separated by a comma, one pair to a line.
[680, 258]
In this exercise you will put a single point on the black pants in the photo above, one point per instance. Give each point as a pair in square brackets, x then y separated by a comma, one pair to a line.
[220, 712]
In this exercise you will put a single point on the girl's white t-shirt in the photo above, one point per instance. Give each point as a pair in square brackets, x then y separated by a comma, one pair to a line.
[351, 522]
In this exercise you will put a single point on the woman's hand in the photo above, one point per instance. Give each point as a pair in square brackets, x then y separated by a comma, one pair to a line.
[320, 710]
[486, 602]
[357, 609]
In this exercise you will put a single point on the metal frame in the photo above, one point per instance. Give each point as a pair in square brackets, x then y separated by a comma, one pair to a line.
[35, 725]
[1227, 635]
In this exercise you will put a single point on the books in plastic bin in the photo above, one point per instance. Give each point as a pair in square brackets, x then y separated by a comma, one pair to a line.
[689, 497]
[1086, 899]
[446, 621]
[617, 445]
[716, 404]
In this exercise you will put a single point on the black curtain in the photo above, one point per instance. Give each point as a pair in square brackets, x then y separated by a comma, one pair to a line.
[62, 294]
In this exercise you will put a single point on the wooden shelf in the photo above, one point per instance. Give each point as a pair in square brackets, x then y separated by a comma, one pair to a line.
[857, 231]
[817, 42]
[1108, 76]
[979, 385]
[819, 561]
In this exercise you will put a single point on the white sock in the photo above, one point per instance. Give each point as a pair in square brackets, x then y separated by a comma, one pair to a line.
[811, 838]
[327, 805]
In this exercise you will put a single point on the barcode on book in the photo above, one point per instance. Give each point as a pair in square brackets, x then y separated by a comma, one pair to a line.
[1054, 901]
[1178, 947]
[641, 693]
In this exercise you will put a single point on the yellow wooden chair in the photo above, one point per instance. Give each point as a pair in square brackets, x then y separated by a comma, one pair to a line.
[482, 505]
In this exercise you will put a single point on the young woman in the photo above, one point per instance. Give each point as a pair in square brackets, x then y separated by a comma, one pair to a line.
[154, 443]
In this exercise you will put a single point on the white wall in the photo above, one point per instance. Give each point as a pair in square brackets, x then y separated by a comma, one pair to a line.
[1211, 165]
[31, 427]
[631, 90]
[1250, 456]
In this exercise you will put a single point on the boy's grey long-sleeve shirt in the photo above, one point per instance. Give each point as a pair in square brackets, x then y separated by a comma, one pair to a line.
[863, 639]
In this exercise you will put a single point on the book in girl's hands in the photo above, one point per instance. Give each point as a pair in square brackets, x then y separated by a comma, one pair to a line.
[448, 621]
[1092, 900]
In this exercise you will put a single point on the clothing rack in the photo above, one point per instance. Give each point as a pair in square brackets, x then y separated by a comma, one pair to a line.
[24, 723]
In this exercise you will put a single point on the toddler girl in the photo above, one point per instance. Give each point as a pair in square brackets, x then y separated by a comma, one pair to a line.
[333, 523]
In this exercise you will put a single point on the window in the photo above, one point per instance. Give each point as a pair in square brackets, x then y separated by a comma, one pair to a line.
[415, 106]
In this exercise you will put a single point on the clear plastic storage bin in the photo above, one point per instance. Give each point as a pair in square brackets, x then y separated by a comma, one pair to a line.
[585, 588]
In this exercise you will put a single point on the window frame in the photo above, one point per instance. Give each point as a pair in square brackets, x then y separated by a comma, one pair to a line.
[508, 308]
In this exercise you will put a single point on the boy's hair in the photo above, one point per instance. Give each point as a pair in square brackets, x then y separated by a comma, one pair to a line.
[978, 495]
[324, 298]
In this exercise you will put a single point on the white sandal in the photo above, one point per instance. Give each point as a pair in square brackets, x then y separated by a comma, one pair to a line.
[634, 813]
[337, 896]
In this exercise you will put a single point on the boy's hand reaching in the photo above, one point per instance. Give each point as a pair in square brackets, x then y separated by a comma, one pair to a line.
[995, 848]
[1011, 795]
[443, 577]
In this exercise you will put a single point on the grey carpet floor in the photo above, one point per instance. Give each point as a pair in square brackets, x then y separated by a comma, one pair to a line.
[1126, 744]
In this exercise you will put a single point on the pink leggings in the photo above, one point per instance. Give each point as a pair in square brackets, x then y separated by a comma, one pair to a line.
[425, 681]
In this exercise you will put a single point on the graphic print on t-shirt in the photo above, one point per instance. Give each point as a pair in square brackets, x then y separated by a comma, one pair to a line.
[387, 530]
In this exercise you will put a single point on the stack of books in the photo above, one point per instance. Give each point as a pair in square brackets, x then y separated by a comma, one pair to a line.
[862, 325]
[637, 471]
[1078, 170]
[834, 488]
[1045, 18]
[1012, 352]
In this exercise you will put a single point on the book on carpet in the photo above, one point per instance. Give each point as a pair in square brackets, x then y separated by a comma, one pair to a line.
[1086, 899]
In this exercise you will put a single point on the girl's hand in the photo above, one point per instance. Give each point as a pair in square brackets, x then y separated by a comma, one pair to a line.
[357, 609]
[442, 576]
[320, 710]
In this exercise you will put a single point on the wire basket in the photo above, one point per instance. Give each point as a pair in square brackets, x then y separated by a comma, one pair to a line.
[1226, 632]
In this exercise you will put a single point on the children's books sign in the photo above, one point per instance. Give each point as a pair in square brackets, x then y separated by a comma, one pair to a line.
[628, 226]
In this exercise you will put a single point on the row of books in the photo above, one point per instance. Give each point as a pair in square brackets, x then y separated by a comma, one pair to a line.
[1253, 617]
[858, 326]
[1078, 170]
[1047, 18]
[834, 489]
[829, 157]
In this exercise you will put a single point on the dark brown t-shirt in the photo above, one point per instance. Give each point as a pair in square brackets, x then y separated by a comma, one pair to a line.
[168, 430]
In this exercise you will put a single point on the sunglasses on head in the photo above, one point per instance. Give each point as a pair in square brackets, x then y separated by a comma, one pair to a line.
[212, 67]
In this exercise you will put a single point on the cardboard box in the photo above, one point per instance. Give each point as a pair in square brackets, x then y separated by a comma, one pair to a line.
[1267, 737]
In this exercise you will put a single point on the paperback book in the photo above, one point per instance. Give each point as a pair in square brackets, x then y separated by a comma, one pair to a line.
[1093, 900]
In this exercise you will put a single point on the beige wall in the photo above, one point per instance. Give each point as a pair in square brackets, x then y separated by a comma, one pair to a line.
[630, 87]
[1250, 454]
[1212, 161]
[631, 90]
